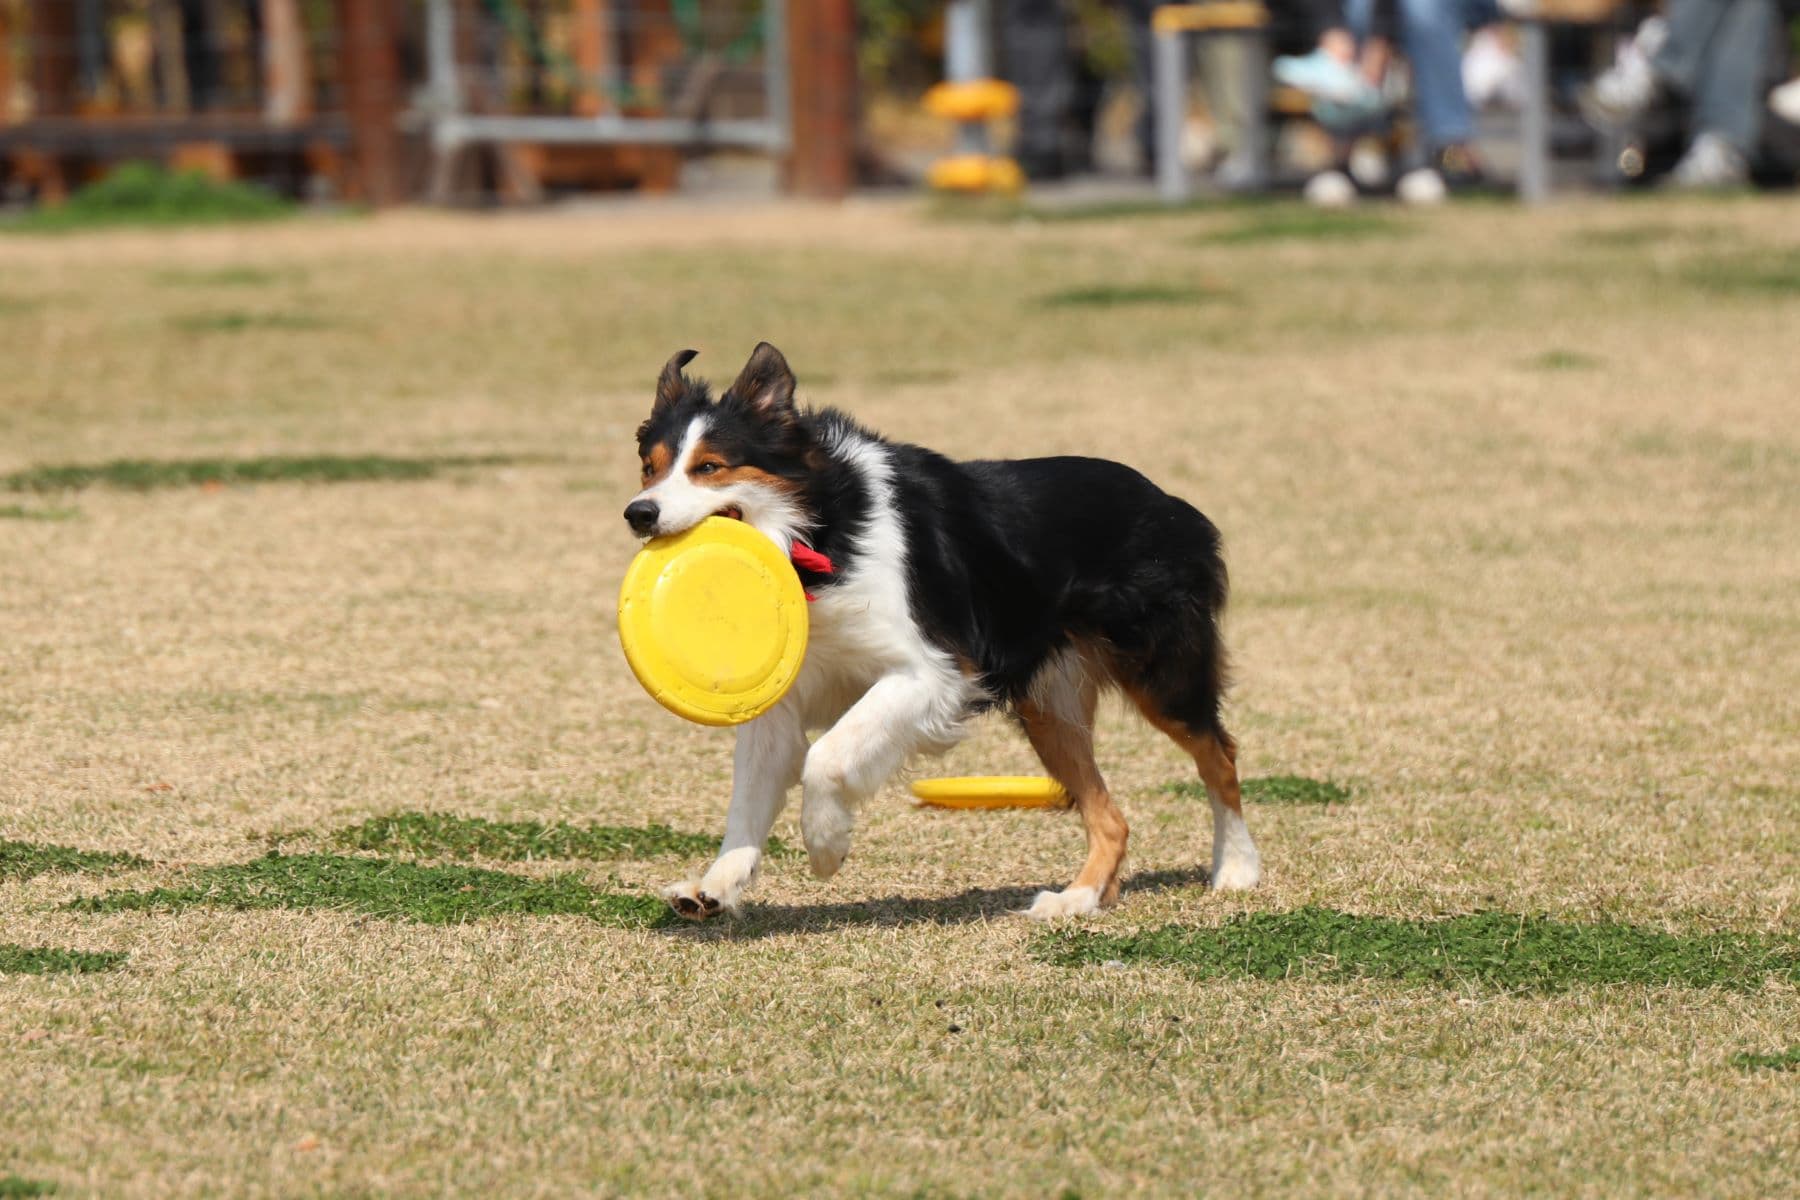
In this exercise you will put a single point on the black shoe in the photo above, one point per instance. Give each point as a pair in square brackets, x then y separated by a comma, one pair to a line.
[1459, 167]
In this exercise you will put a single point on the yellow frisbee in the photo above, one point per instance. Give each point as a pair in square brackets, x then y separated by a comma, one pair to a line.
[713, 622]
[991, 791]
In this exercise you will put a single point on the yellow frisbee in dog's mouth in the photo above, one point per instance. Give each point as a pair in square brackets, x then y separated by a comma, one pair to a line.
[991, 791]
[713, 622]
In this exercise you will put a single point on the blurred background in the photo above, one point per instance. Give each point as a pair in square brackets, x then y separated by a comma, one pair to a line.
[520, 102]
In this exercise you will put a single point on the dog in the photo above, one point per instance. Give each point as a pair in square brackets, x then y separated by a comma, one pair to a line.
[941, 590]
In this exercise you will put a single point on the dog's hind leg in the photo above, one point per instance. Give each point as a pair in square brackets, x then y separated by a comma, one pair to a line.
[1236, 865]
[765, 765]
[1059, 721]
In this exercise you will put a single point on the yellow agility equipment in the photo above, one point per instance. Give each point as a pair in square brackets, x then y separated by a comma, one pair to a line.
[713, 622]
[991, 791]
[975, 173]
[972, 100]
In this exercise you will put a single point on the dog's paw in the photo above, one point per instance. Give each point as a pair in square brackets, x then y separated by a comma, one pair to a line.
[689, 901]
[1236, 872]
[728, 879]
[1075, 902]
[826, 831]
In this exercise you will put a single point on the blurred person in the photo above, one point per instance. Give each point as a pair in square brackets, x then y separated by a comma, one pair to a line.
[1432, 33]
[1343, 74]
[1034, 39]
[1710, 55]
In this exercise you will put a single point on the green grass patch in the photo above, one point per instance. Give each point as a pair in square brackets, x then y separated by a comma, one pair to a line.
[225, 277]
[238, 321]
[1123, 296]
[1782, 1060]
[441, 835]
[142, 475]
[23, 860]
[1273, 789]
[13, 1185]
[142, 194]
[1563, 360]
[18, 512]
[1303, 224]
[1769, 274]
[47, 960]
[389, 890]
[1494, 950]
[1636, 237]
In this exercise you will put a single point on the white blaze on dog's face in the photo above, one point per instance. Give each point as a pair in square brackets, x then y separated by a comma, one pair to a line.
[741, 457]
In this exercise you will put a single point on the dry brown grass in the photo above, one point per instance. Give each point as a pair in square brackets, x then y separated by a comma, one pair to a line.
[1513, 513]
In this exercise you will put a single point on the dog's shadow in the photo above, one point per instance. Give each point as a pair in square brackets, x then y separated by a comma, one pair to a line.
[965, 908]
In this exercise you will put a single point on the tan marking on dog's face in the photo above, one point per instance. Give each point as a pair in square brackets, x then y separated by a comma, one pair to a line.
[657, 463]
[708, 469]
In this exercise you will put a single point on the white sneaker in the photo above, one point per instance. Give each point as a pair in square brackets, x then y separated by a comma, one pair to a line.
[1710, 164]
[1625, 90]
[1784, 102]
[1492, 74]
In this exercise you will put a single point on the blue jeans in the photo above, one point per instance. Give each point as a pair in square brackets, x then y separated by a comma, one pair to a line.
[1716, 55]
[1431, 33]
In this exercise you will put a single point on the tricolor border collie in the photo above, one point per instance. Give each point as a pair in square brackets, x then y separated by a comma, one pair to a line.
[945, 589]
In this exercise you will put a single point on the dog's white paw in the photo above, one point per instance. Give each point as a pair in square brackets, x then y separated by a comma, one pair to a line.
[689, 901]
[728, 878]
[1075, 902]
[1236, 872]
[825, 828]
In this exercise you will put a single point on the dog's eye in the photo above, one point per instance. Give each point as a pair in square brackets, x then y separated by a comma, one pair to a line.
[646, 470]
[708, 468]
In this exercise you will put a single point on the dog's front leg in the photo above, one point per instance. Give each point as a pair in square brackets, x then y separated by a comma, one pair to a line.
[765, 765]
[898, 715]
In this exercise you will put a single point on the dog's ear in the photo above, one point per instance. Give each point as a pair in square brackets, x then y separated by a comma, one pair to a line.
[766, 386]
[671, 385]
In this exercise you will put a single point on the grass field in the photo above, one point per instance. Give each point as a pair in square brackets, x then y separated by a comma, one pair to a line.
[331, 819]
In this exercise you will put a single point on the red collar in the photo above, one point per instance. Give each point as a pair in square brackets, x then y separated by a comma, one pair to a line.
[808, 559]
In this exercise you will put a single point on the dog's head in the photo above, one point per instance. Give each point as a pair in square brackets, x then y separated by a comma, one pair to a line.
[743, 456]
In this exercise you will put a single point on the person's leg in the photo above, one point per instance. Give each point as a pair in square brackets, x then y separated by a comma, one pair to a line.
[1432, 32]
[1688, 47]
[1035, 38]
[1728, 88]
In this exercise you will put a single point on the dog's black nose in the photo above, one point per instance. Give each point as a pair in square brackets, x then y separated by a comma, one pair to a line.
[642, 515]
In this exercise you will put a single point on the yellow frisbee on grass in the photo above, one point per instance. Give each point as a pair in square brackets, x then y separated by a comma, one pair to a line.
[713, 622]
[991, 791]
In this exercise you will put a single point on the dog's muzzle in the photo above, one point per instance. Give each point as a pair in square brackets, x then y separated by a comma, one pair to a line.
[641, 516]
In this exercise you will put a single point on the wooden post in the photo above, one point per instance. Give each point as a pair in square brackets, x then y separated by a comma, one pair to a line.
[287, 86]
[53, 36]
[822, 68]
[593, 55]
[369, 69]
[6, 75]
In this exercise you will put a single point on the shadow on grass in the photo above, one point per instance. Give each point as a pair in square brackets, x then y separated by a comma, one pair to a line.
[387, 890]
[1498, 951]
[971, 907]
[47, 960]
[142, 475]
